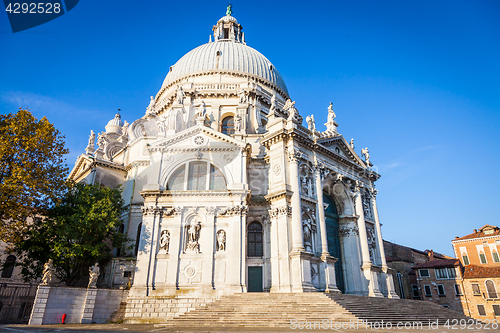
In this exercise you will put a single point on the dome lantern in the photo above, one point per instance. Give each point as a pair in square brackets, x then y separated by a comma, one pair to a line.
[228, 28]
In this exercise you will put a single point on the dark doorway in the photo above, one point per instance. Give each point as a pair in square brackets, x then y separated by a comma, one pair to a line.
[255, 279]
[332, 235]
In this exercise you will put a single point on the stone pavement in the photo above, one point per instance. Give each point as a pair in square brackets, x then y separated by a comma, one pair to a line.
[97, 328]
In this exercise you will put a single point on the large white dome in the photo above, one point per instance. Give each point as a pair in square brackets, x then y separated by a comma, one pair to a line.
[225, 55]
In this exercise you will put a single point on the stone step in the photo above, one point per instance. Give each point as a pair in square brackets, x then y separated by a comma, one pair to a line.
[259, 310]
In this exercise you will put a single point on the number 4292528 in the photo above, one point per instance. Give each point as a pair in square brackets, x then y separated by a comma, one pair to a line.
[34, 8]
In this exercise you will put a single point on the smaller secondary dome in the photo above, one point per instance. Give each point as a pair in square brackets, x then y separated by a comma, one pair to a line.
[115, 125]
[116, 121]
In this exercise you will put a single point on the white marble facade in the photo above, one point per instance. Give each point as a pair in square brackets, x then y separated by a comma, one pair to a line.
[228, 191]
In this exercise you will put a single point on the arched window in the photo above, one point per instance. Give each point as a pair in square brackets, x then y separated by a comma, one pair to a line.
[495, 256]
[8, 267]
[254, 240]
[138, 238]
[228, 125]
[490, 288]
[201, 176]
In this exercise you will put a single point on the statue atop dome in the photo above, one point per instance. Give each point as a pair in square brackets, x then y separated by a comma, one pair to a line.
[229, 10]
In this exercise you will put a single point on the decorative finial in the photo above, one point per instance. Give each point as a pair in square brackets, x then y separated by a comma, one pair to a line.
[229, 10]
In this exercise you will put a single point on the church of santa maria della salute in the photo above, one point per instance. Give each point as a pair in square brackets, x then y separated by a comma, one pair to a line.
[228, 192]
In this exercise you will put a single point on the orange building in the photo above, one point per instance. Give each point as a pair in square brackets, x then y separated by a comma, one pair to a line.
[479, 255]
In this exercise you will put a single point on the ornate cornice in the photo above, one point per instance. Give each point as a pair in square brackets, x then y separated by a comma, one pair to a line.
[276, 212]
[167, 101]
[134, 164]
[279, 195]
[165, 193]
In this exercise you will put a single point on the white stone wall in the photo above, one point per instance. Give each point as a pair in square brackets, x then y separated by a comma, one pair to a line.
[79, 305]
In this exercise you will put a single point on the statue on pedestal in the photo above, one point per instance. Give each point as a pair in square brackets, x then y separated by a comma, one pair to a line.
[366, 153]
[94, 272]
[48, 273]
[151, 107]
[311, 124]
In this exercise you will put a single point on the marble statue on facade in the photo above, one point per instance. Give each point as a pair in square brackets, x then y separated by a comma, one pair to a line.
[90, 146]
[366, 153]
[101, 141]
[237, 123]
[161, 122]
[293, 113]
[331, 124]
[311, 124]
[165, 240]
[202, 110]
[94, 272]
[151, 107]
[221, 240]
[272, 108]
[193, 235]
[125, 128]
[242, 96]
[91, 139]
[352, 143]
[180, 95]
[48, 273]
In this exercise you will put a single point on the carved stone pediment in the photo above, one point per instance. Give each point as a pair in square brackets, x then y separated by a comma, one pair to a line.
[339, 146]
[197, 137]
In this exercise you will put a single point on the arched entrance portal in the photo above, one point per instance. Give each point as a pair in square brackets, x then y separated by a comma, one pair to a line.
[332, 235]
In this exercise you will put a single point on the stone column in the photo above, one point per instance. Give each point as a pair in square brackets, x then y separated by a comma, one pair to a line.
[243, 233]
[208, 250]
[373, 290]
[297, 232]
[363, 239]
[321, 211]
[387, 277]
[154, 248]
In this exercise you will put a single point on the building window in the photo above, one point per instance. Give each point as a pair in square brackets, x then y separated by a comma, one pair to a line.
[476, 290]
[441, 290]
[217, 180]
[424, 273]
[8, 267]
[458, 290]
[483, 258]
[176, 181]
[445, 273]
[490, 288]
[465, 259]
[254, 240]
[198, 178]
[427, 290]
[495, 256]
[228, 125]
[496, 309]
[127, 274]
[480, 310]
[414, 289]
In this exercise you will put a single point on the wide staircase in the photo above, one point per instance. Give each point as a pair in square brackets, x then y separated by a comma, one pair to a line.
[265, 310]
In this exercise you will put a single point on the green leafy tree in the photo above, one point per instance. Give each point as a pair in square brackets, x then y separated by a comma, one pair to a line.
[80, 230]
[32, 170]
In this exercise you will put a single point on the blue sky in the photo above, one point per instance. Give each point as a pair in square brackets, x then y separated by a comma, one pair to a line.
[417, 82]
